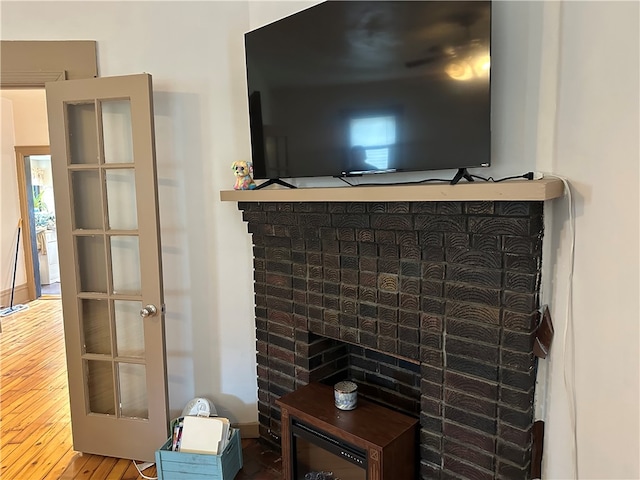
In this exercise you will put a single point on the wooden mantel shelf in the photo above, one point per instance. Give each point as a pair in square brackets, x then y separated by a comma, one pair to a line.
[514, 190]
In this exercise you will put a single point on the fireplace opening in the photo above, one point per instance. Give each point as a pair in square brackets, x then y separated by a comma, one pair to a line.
[385, 379]
[316, 455]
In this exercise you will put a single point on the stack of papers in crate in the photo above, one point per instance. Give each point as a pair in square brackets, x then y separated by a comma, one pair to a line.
[207, 435]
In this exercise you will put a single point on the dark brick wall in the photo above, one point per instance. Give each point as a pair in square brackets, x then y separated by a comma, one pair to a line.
[447, 291]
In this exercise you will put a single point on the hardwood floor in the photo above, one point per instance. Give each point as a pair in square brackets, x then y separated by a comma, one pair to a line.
[35, 430]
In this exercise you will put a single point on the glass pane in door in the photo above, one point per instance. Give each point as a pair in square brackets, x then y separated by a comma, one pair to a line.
[116, 131]
[129, 329]
[92, 264]
[121, 199]
[83, 142]
[96, 326]
[133, 390]
[125, 265]
[100, 387]
[87, 196]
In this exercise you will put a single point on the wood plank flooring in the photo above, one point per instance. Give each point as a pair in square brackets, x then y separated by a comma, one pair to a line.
[35, 432]
[35, 428]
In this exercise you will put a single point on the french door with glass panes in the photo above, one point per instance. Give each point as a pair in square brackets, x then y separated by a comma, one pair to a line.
[104, 177]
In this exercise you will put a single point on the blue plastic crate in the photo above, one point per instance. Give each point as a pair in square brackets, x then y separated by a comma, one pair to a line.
[195, 466]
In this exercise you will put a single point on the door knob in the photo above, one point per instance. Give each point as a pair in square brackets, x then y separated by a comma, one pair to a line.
[148, 311]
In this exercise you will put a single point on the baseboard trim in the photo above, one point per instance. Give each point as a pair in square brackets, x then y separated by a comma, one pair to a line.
[248, 430]
[20, 295]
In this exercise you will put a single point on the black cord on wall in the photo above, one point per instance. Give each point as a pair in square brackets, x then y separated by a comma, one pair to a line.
[527, 176]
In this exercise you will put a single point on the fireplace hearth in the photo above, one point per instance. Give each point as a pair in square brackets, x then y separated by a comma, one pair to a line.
[430, 307]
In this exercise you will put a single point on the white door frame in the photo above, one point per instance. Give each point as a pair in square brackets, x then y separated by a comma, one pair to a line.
[21, 153]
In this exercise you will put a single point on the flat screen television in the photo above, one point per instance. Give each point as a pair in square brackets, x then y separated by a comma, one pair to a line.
[356, 87]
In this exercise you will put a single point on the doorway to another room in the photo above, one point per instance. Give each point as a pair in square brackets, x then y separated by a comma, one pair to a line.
[28, 196]
[43, 216]
[38, 214]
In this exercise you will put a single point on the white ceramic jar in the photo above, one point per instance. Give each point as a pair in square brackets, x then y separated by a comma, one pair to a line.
[346, 395]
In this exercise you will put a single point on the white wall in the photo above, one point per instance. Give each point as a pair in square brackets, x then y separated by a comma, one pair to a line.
[29, 115]
[9, 203]
[595, 145]
[202, 126]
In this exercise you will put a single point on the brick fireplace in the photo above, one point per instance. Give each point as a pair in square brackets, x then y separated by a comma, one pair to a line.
[429, 306]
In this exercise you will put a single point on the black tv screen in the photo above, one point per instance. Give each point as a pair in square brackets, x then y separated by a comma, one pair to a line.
[355, 87]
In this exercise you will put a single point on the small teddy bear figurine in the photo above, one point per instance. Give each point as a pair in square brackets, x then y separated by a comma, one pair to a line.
[243, 170]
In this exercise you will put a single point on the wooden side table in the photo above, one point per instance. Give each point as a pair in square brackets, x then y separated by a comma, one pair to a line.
[389, 438]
